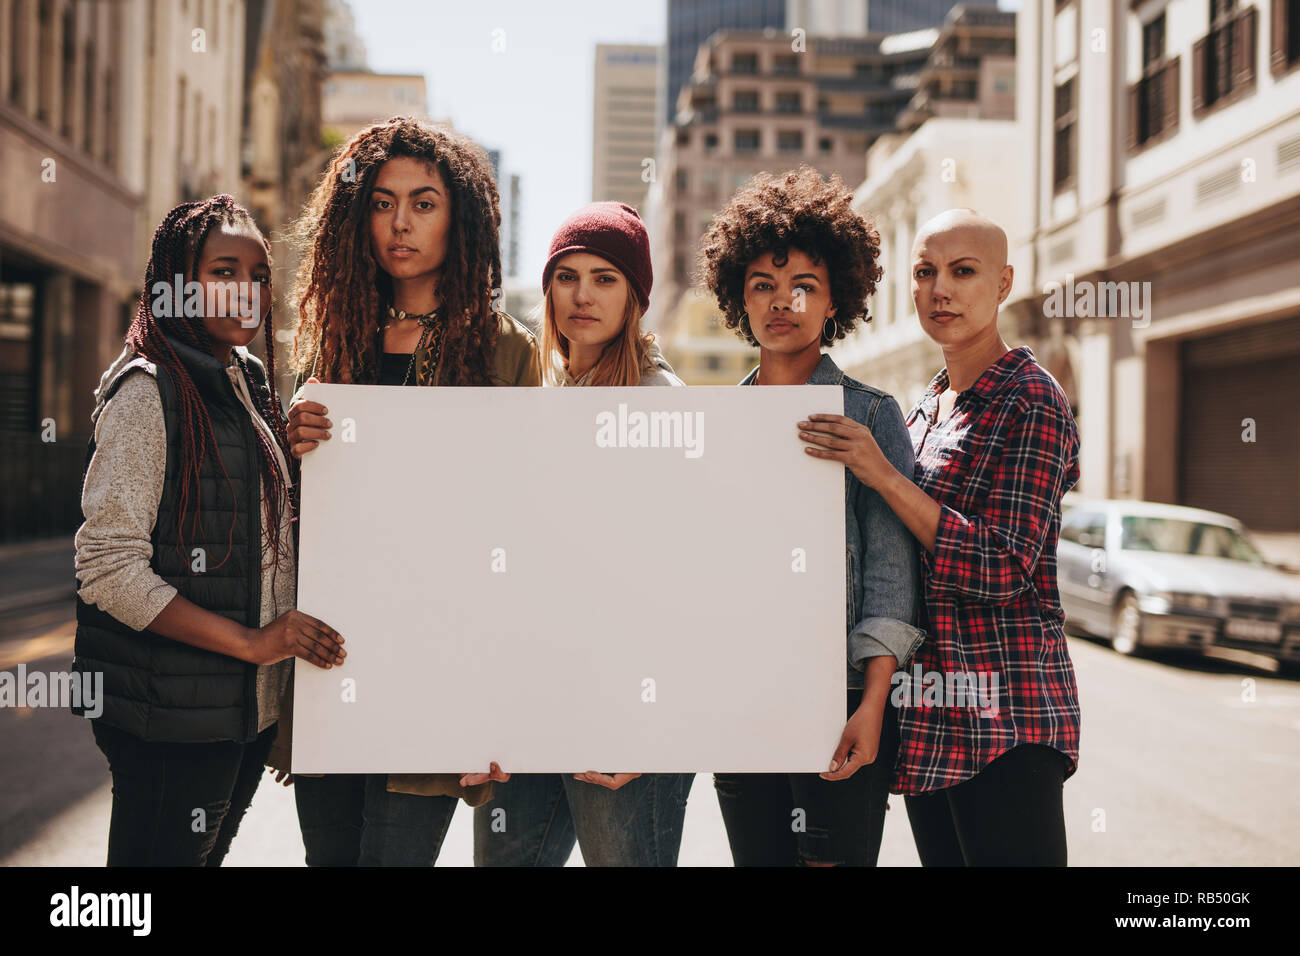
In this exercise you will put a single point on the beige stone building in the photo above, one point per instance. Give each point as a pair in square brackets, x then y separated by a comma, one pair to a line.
[1164, 181]
[945, 164]
[354, 99]
[624, 93]
[111, 112]
[971, 69]
[759, 100]
[956, 145]
[701, 349]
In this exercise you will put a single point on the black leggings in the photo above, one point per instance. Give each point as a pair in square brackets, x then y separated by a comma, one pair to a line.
[178, 804]
[841, 820]
[1008, 814]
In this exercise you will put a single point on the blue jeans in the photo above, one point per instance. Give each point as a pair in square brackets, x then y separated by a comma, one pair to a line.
[535, 819]
[351, 819]
[841, 820]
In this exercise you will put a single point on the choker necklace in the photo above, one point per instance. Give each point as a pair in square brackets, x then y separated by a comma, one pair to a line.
[428, 319]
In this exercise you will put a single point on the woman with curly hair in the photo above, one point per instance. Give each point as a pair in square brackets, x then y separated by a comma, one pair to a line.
[791, 265]
[186, 556]
[398, 286]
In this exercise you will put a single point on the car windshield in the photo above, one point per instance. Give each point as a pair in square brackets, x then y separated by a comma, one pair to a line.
[1172, 536]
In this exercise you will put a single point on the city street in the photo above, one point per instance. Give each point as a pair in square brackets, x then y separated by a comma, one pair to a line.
[1177, 769]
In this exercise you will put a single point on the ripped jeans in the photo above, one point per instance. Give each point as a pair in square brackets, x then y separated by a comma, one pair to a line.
[841, 822]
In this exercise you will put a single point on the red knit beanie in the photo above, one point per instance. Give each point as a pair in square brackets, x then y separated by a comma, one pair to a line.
[612, 231]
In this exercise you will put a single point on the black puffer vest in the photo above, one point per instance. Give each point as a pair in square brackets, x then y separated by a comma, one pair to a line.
[161, 689]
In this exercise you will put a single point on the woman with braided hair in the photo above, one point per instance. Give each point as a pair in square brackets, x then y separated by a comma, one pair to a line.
[186, 556]
[398, 286]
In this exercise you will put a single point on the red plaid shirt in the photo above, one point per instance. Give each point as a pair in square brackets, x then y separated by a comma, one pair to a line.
[998, 467]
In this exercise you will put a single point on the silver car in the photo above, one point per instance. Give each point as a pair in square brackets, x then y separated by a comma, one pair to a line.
[1148, 575]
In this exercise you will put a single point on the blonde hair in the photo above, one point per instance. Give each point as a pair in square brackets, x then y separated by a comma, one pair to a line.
[620, 363]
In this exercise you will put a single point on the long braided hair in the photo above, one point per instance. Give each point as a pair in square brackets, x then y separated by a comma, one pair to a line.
[177, 250]
[340, 290]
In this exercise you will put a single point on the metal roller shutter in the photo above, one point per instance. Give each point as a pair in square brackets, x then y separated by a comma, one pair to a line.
[1249, 373]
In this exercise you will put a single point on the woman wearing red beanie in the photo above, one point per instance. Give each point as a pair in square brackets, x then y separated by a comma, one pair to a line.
[597, 286]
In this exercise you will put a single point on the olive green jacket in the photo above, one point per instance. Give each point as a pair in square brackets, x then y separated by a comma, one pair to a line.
[514, 364]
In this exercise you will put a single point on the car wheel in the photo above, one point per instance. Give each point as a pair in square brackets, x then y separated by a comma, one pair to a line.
[1126, 634]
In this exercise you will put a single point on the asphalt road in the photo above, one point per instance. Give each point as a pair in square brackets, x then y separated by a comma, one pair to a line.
[1182, 763]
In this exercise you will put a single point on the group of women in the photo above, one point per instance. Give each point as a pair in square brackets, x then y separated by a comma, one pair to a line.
[187, 555]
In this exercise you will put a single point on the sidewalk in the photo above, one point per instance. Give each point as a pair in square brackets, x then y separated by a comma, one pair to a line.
[33, 573]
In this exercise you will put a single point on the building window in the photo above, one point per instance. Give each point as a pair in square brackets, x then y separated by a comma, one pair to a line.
[744, 63]
[745, 101]
[16, 23]
[679, 225]
[683, 180]
[1223, 61]
[69, 71]
[789, 102]
[1284, 54]
[710, 140]
[110, 121]
[785, 64]
[683, 137]
[825, 144]
[90, 86]
[1153, 99]
[180, 127]
[789, 141]
[19, 338]
[1064, 145]
[708, 183]
[745, 141]
[713, 362]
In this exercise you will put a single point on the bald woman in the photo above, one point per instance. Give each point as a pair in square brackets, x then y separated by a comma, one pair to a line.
[983, 762]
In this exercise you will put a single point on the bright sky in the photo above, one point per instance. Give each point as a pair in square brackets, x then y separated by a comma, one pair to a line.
[533, 101]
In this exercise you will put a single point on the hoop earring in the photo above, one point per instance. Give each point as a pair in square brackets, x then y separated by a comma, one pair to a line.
[831, 334]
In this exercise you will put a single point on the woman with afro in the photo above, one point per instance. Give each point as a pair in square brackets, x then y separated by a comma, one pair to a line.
[791, 266]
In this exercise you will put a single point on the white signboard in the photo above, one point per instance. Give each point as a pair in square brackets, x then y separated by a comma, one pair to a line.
[570, 579]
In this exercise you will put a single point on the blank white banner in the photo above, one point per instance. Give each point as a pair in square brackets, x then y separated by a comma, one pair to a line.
[570, 579]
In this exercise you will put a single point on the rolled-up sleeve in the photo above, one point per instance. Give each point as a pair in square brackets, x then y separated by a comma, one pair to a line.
[891, 575]
[990, 557]
[119, 500]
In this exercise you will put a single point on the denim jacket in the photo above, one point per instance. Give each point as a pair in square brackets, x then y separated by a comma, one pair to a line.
[882, 563]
